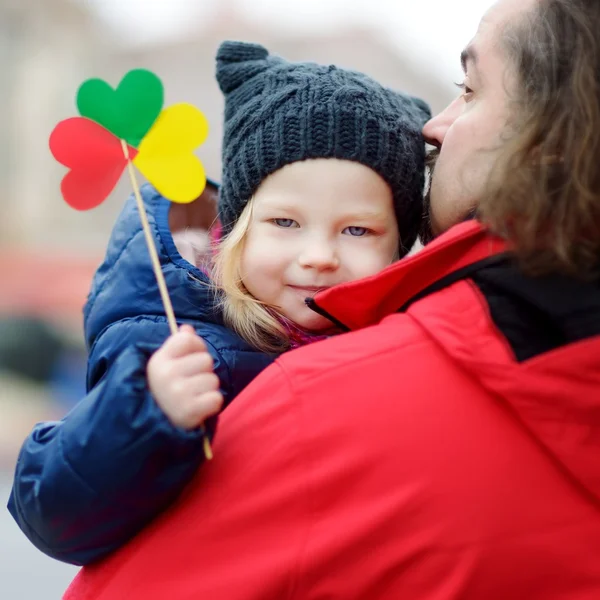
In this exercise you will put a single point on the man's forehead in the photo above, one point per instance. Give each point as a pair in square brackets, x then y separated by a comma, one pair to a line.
[491, 29]
[505, 12]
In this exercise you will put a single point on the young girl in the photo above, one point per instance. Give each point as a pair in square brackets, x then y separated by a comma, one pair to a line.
[323, 172]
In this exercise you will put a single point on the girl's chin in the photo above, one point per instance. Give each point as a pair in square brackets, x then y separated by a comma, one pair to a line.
[306, 319]
[312, 324]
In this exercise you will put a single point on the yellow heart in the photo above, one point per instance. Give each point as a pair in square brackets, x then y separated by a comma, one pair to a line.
[165, 155]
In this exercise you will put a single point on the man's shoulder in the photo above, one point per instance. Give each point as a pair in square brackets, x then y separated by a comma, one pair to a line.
[396, 335]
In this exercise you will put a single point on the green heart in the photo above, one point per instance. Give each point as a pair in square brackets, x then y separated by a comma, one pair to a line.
[129, 111]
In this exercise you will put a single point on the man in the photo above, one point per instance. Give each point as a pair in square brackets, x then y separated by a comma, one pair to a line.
[449, 447]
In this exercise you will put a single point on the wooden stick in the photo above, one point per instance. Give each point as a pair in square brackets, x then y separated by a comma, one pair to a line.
[160, 278]
[208, 454]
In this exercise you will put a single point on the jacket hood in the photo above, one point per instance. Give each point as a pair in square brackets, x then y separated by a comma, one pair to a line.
[124, 286]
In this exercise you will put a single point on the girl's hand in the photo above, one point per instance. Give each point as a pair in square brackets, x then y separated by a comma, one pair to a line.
[182, 381]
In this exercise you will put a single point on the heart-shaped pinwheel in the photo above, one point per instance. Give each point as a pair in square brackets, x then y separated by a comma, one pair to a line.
[129, 111]
[127, 126]
[159, 142]
[94, 172]
[166, 156]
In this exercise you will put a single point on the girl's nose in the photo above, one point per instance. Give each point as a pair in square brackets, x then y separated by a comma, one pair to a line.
[320, 256]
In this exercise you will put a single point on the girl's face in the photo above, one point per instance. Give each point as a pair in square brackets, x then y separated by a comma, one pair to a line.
[315, 224]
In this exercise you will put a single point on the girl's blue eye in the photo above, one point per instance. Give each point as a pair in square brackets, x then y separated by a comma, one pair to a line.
[285, 223]
[356, 231]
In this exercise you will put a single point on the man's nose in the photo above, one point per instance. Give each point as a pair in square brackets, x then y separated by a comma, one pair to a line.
[434, 131]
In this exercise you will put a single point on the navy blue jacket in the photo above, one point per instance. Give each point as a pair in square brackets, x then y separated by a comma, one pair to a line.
[86, 484]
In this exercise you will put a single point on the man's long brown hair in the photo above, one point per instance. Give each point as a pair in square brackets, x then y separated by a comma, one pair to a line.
[544, 194]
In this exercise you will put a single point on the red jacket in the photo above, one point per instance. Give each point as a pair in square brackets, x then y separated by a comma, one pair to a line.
[415, 458]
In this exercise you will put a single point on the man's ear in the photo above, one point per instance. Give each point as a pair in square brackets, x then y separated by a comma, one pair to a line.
[199, 214]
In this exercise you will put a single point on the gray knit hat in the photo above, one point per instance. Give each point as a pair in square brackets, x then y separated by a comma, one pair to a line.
[278, 113]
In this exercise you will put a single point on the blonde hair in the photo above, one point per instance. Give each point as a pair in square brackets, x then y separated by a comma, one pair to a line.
[250, 318]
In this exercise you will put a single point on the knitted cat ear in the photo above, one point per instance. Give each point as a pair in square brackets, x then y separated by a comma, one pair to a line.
[237, 62]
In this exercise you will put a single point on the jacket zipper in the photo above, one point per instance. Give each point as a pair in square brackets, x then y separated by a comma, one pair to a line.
[311, 303]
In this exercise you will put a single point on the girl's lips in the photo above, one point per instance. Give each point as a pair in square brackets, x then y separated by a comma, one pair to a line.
[310, 290]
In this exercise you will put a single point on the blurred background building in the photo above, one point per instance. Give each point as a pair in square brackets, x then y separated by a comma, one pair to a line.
[48, 252]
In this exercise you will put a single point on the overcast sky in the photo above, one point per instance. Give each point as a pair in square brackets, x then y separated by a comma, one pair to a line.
[436, 29]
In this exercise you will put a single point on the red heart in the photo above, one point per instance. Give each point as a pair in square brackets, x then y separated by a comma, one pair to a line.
[95, 157]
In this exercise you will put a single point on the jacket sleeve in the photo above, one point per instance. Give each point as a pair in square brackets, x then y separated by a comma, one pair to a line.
[239, 529]
[86, 484]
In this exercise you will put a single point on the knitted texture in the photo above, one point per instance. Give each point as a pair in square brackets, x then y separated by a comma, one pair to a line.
[277, 113]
